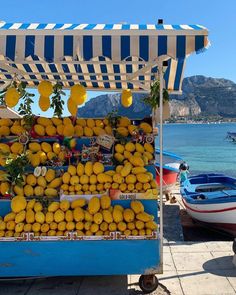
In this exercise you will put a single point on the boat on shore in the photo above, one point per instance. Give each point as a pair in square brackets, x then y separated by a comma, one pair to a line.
[211, 200]
[171, 164]
[231, 136]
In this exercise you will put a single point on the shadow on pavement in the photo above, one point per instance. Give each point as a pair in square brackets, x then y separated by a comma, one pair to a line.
[225, 267]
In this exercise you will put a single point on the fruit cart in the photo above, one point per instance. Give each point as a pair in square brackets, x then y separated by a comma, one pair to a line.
[87, 203]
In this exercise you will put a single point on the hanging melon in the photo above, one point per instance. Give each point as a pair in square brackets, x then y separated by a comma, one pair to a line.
[44, 103]
[45, 88]
[126, 98]
[78, 94]
[12, 97]
[72, 107]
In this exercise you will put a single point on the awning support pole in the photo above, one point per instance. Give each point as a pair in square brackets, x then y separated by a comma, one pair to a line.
[160, 67]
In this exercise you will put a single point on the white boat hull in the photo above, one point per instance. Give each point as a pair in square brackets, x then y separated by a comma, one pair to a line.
[221, 215]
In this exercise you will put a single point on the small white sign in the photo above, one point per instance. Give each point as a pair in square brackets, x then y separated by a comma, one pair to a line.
[106, 141]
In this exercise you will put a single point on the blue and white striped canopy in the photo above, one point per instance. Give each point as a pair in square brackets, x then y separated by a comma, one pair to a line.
[98, 56]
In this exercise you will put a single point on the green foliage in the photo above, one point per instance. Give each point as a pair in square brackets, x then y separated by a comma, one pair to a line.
[15, 168]
[25, 106]
[113, 118]
[29, 121]
[153, 100]
[57, 102]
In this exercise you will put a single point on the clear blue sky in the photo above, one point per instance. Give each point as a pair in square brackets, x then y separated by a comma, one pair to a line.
[218, 16]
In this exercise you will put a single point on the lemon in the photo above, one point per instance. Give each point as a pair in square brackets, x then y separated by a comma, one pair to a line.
[72, 106]
[45, 88]
[44, 103]
[18, 204]
[78, 94]
[12, 97]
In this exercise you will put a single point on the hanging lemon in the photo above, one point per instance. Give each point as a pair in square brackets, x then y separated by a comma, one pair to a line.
[126, 98]
[78, 94]
[45, 88]
[12, 97]
[72, 107]
[44, 103]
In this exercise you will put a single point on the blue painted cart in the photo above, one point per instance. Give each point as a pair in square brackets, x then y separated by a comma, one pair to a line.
[100, 57]
[68, 258]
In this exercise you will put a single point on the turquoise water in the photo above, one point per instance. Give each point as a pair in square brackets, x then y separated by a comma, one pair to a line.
[203, 146]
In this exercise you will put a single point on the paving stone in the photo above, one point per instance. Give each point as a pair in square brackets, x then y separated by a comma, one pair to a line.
[171, 281]
[183, 247]
[193, 261]
[220, 246]
[56, 286]
[166, 249]
[203, 283]
[168, 263]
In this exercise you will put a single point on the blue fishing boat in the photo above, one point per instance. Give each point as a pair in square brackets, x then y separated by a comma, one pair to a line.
[211, 200]
[171, 164]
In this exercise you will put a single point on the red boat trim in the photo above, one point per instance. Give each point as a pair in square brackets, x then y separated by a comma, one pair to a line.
[208, 211]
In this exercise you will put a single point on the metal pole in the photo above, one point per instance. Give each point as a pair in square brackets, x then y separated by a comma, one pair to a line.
[161, 163]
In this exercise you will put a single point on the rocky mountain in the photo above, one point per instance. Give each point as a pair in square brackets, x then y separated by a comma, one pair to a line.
[202, 96]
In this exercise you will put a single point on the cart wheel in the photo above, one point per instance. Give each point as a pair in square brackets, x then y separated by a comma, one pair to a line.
[148, 283]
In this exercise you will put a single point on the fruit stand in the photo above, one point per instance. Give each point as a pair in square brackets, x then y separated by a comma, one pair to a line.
[78, 195]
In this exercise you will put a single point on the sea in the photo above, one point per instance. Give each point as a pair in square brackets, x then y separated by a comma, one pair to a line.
[203, 146]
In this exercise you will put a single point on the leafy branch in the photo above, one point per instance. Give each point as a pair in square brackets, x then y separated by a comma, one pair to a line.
[57, 102]
[113, 118]
[16, 168]
[153, 100]
[25, 106]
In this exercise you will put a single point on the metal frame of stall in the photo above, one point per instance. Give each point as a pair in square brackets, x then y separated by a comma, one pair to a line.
[106, 58]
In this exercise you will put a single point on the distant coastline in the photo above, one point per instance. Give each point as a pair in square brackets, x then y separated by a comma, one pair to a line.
[200, 120]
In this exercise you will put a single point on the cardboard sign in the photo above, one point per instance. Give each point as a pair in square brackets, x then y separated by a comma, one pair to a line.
[105, 141]
[71, 198]
[118, 195]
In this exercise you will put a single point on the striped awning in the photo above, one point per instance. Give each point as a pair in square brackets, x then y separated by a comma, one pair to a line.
[99, 56]
[6, 112]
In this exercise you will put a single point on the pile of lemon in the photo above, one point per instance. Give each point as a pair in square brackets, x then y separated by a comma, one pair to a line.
[40, 153]
[67, 127]
[11, 127]
[91, 178]
[98, 217]
[85, 179]
[15, 149]
[47, 185]
[135, 153]
[126, 128]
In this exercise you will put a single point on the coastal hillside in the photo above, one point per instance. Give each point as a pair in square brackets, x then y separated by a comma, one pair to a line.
[202, 97]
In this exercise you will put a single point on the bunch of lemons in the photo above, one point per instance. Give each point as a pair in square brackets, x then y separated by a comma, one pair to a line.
[97, 217]
[40, 153]
[67, 127]
[9, 127]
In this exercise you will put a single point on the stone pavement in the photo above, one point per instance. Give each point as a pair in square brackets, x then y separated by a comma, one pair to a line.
[189, 269]
[204, 268]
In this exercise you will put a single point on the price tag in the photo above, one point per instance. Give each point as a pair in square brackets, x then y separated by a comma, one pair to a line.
[105, 141]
